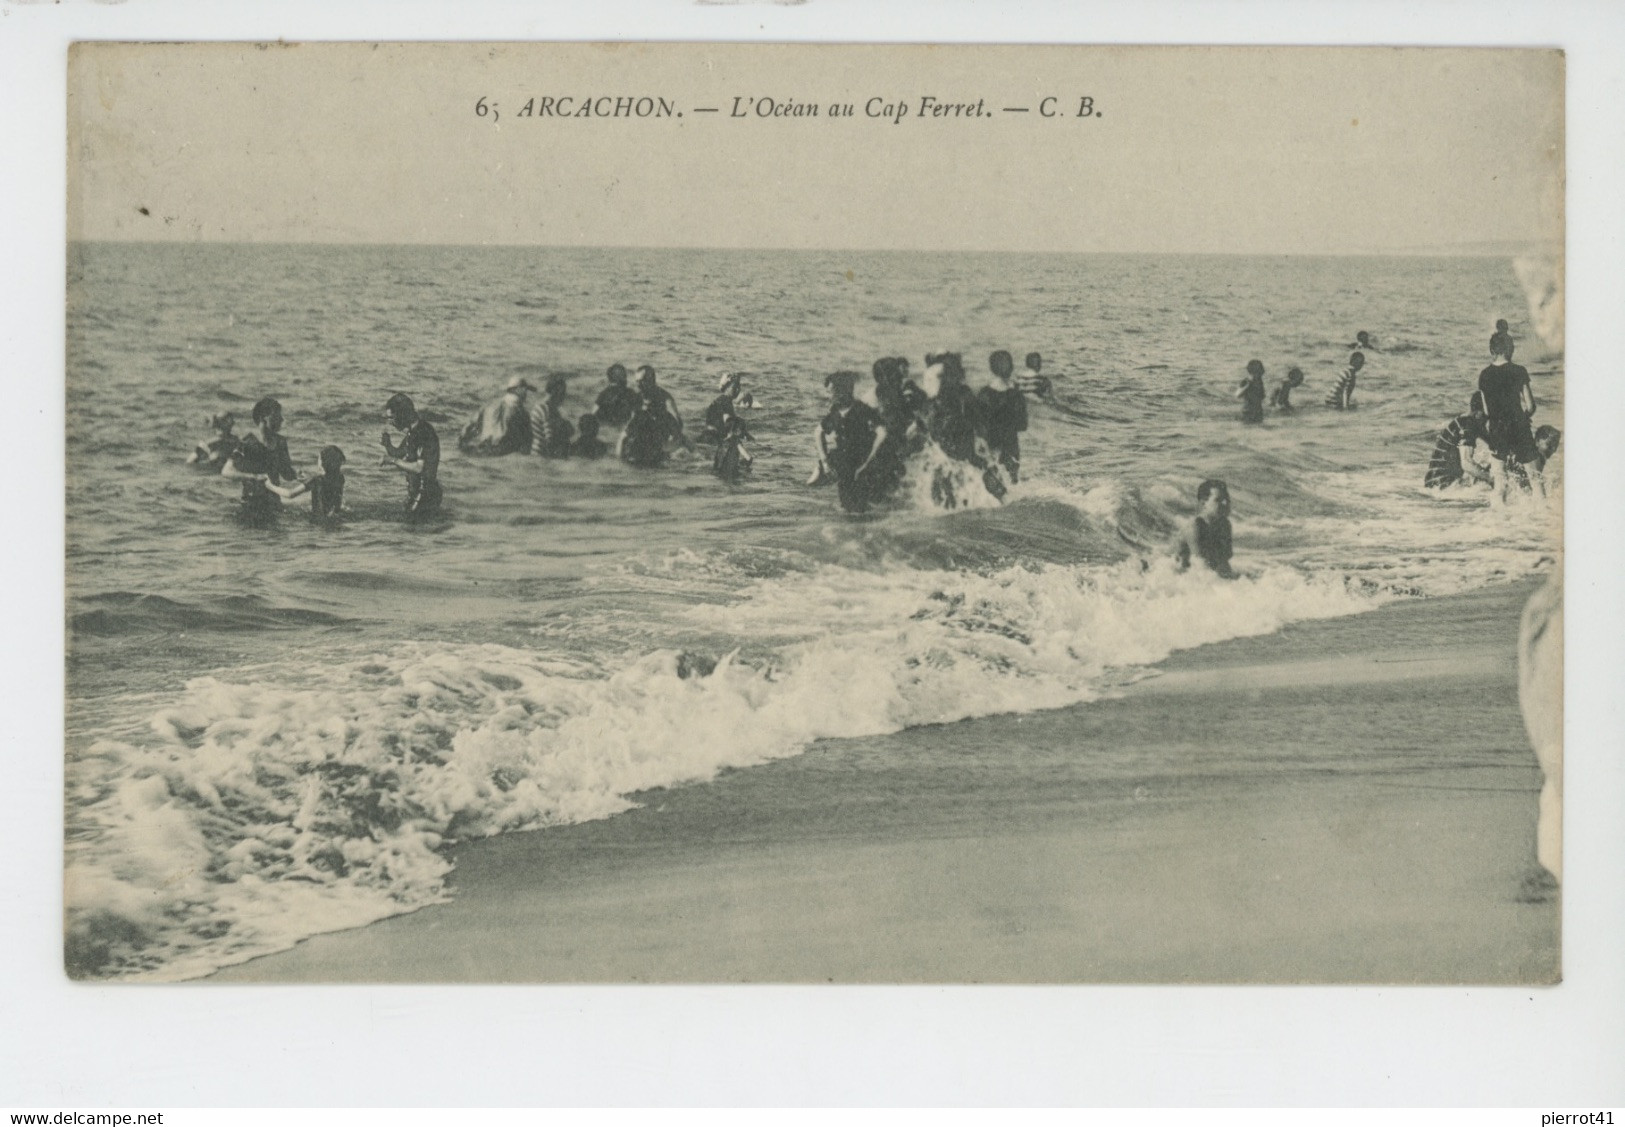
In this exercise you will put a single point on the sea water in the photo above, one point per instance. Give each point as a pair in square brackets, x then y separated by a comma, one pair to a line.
[273, 732]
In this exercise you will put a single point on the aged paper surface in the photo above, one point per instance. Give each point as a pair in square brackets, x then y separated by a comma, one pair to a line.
[1155, 618]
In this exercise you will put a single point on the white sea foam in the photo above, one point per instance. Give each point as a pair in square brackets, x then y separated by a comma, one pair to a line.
[263, 810]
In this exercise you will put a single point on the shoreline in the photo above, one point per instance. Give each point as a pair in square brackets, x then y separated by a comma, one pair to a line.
[1183, 830]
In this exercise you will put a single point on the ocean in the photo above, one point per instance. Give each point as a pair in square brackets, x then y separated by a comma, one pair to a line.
[275, 732]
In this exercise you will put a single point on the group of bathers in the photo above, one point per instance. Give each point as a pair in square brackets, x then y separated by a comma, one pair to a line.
[1495, 441]
[1252, 393]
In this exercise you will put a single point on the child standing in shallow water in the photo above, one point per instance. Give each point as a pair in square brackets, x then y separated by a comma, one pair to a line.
[326, 489]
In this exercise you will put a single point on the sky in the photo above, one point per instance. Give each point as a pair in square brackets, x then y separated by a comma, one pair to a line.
[1184, 150]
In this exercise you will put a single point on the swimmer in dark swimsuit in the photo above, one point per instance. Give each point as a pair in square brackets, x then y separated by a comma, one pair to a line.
[723, 407]
[849, 437]
[1004, 414]
[261, 460]
[617, 401]
[1281, 397]
[1363, 343]
[214, 453]
[1208, 536]
[1510, 403]
[326, 489]
[418, 453]
[587, 443]
[1251, 393]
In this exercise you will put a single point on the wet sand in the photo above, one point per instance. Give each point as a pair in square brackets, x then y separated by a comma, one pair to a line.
[1351, 800]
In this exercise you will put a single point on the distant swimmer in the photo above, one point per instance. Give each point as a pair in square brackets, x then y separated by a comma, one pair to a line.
[617, 401]
[550, 431]
[1207, 537]
[1281, 397]
[1462, 450]
[502, 425]
[1004, 415]
[1363, 343]
[587, 443]
[1251, 393]
[849, 437]
[261, 460]
[214, 453]
[418, 454]
[326, 488]
[1342, 396]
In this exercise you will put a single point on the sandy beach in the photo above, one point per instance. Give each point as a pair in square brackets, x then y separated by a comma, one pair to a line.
[1374, 823]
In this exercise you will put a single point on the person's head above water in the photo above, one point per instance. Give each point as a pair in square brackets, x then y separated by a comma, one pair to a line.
[1294, 376]
[331, 459]
[1546, 440]
[1213, 497]
[841, 385]
[1000, 364]
[1362, 338]
[1356, 360]
[400, 410]
[617, 374]
[268, 413]
[1255, 367]
[1034, 361]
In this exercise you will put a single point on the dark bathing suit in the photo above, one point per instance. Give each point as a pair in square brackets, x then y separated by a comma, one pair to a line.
[1252, 401]
[253, 456]
[1005, 417]
[1212, 544]
[422, 445]
[1509, 430]
[854, 433]
[615, 405]
[326, 496]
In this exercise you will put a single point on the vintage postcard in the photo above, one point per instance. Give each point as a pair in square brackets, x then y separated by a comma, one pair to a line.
[790, 513]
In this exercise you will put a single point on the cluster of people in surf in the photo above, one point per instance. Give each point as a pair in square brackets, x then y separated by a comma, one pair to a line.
[260, 460]
[1496, 442]
[1252, 392]
[866, 451]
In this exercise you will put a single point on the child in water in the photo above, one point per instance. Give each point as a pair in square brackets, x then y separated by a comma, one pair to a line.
[215, 452]
[326, 489]
[1207, 538]
[1281, 397]
[587, 443]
